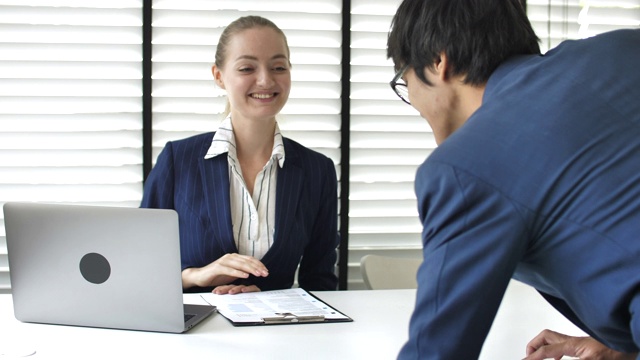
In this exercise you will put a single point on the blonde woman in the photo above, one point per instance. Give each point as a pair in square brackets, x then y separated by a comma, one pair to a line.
[253, 205]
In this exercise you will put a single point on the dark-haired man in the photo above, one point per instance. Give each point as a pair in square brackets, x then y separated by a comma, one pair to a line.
[536, 177]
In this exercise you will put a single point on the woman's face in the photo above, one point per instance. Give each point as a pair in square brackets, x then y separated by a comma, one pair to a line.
[256, 74]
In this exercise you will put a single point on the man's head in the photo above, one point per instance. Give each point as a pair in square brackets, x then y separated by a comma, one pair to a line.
[475, 35]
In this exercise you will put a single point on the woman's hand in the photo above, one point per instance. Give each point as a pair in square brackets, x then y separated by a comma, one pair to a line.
[235, 289]
[550, 344]
[223, 271]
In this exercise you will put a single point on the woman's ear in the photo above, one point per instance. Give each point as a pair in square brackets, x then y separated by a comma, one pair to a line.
[217, 76]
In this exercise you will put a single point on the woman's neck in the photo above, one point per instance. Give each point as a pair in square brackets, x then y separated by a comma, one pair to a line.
[254, 138]
[254, 145]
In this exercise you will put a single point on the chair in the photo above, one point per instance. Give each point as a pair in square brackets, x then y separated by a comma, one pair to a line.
[385, 272]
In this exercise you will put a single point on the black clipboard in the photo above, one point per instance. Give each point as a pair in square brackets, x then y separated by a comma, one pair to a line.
[325, 313]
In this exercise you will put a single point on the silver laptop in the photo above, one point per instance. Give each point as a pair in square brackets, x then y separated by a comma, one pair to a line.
[109, 267]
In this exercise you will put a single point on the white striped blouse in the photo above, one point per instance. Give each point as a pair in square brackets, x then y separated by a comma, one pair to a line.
[253, 217]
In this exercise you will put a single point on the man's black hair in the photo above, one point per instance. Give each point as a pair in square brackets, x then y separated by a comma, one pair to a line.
[475, 35]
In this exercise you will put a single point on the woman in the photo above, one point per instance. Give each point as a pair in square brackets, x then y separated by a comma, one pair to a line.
[253, 205]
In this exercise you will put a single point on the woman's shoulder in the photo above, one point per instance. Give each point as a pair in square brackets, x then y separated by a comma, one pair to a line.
[189, 146]
[293, 148]
[194, 139]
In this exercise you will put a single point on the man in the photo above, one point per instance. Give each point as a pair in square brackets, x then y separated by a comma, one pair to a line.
[536, 177]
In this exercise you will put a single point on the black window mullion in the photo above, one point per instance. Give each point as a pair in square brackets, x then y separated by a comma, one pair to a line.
[345, 144]
[147, 114]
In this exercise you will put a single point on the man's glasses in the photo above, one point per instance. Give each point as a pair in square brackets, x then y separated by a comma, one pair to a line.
[399, 86]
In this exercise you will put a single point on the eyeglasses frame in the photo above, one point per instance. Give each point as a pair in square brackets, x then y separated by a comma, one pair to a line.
[394, 84]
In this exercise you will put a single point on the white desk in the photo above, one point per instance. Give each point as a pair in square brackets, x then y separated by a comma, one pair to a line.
[378, 331]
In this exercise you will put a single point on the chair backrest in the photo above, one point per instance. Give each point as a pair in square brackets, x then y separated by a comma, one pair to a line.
[385, 272]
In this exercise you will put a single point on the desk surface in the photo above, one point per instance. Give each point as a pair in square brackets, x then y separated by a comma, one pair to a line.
[378, 331]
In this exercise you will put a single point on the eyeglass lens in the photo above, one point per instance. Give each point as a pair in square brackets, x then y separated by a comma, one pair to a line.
[402, 91]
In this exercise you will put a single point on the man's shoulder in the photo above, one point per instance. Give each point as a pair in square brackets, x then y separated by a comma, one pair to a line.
[475, 154]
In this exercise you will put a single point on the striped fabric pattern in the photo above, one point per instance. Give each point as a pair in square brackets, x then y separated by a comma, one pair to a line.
[253, 217]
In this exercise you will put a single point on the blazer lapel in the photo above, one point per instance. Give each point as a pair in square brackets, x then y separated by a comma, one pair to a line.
[290, 179]
[215, 181]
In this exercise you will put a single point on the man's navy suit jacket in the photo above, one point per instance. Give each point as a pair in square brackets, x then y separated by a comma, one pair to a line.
[542, 184]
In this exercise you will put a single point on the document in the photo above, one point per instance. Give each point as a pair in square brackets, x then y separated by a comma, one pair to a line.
[289, 306]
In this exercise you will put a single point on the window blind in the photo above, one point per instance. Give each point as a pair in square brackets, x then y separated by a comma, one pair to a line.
[388, 141]
[70, 104]
[558, 20]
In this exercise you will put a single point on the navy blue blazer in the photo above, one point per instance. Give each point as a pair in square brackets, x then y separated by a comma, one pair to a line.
[306, 212]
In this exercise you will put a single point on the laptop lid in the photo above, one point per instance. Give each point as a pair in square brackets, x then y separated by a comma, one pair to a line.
[110, 267]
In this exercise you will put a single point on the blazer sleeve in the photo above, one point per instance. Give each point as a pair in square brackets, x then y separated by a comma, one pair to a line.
[159, 186]
[472, 241]
[317, 267]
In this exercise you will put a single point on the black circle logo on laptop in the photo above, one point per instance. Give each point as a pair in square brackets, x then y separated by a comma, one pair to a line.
[95, 268]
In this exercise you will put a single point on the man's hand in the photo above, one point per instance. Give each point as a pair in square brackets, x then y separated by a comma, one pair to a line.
[552, 345]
